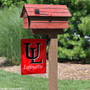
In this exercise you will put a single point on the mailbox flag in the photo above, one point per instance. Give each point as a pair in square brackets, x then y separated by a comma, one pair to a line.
[33, 56]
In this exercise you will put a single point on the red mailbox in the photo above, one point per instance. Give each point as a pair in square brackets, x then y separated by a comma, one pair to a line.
[45, 19]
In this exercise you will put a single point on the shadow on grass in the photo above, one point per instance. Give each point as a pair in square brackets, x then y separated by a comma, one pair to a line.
[6, 63]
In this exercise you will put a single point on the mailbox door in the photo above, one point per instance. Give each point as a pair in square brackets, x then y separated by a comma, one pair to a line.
[25, 20]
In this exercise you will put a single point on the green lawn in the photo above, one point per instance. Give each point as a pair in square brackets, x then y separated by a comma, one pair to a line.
[11, 80]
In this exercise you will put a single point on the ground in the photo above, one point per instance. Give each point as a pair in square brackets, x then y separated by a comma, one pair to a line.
[65, 70]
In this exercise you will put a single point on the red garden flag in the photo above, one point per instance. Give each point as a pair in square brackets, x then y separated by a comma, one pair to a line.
[33, 56]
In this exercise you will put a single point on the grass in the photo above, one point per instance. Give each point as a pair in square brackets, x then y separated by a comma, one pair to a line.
[12, 80]
[11, 33]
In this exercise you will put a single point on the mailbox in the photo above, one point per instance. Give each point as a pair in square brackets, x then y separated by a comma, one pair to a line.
[45, 19]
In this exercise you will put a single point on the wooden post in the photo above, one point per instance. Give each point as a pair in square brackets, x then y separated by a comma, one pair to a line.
[53, 81]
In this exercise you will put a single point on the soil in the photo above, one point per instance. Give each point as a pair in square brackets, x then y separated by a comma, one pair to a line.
[65, 70]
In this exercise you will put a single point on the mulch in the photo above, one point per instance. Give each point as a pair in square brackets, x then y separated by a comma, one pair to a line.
[65, 71]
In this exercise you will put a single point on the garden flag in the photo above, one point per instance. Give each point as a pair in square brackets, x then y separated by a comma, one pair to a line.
[33, 56]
